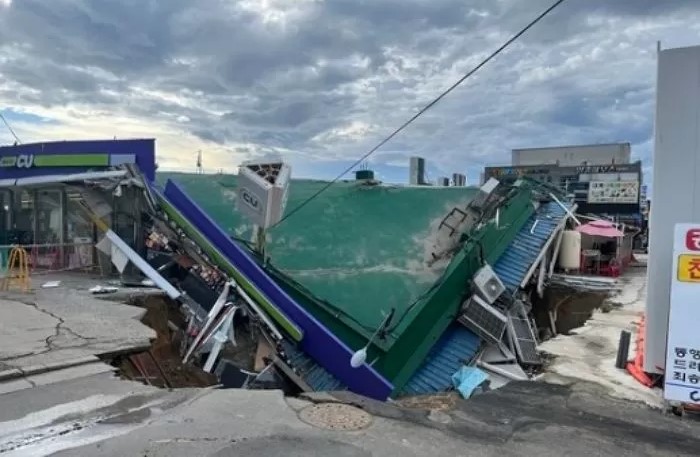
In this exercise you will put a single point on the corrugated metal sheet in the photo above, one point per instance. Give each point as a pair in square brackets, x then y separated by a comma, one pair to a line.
[456, 347]
[312, 373]
[513, 265]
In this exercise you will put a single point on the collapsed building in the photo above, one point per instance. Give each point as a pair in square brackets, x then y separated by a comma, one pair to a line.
[491, 257]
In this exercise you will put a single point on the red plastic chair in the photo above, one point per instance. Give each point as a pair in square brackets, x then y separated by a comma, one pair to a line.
[612, 269]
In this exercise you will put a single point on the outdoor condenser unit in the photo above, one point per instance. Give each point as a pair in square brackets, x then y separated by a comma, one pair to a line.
[483, 319]
[487, 284]
[263, 188]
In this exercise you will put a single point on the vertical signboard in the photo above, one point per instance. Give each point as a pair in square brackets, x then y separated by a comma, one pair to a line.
[682, 375]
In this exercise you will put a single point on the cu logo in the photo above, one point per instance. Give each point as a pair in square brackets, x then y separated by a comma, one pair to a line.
[695, 395]
[692, 240]
[250, 200]
[25, 161]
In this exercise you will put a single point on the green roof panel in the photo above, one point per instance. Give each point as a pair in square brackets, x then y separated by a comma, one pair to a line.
[360, 248]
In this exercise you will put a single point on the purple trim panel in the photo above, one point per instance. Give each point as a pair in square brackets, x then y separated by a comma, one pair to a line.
[319, 343]
[144, 151]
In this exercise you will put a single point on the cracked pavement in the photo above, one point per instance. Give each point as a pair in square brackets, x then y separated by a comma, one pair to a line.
[58, 328]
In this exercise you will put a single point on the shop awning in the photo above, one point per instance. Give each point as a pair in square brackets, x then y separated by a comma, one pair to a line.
[52, 179]
[600, 228]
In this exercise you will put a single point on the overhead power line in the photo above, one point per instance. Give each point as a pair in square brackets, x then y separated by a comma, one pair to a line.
[423, 110]
[9, 127]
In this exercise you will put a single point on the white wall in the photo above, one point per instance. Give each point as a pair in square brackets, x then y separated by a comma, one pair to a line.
[594, 154]
[676, 191]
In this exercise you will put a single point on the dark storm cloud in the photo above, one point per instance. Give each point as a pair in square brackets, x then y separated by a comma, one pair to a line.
[333, 76]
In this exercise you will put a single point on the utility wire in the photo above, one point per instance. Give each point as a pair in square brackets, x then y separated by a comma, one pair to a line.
[423, 110]
[7, 124]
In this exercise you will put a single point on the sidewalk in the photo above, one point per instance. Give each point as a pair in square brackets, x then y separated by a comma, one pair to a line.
[589, 352]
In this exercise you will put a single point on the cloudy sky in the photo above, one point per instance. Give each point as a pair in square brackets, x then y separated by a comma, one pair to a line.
[322, 81]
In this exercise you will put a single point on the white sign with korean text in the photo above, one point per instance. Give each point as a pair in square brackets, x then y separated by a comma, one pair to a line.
[682, 375]
[613, 192]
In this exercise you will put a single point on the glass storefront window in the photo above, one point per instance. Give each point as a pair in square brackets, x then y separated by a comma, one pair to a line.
[5, 215]
[22, 231]
[49, 217]
[78, 224]
[79, 232]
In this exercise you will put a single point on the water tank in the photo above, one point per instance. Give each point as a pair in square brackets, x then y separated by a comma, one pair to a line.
[364, 175]
[570, 250]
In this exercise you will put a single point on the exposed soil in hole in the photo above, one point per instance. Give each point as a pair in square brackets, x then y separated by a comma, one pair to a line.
[573, 309]
[161, 365]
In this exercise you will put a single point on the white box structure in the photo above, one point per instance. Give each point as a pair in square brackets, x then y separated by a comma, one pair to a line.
[676, 185]
[263, 189]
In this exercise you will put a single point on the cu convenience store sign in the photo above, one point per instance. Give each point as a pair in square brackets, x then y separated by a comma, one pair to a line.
[682, 374]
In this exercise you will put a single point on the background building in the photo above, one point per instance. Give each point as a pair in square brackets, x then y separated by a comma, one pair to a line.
[600, 178]
[458, 179]
[587, 154]
[417, 171]
[443, 181]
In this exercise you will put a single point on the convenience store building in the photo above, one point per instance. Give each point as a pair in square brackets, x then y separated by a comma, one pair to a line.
[41, 189]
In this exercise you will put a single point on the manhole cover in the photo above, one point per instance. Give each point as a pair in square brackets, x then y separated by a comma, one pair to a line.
[335, 416]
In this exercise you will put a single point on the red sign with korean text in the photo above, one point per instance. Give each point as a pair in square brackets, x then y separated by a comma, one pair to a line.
[692, 239]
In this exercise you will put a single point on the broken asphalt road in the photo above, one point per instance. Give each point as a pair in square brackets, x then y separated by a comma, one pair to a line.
[103, 416]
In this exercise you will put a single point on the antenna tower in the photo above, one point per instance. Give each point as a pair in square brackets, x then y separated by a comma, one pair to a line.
[200, 170]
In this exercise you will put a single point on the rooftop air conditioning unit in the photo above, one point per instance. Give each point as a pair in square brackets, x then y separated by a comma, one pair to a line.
[263, 188]
[487, 284]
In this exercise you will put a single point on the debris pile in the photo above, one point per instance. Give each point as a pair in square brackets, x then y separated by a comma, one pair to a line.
[507, 274]
[230, 333]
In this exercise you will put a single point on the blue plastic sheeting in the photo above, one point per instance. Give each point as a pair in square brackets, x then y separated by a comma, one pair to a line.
[455, 348]
[318, 378]
[467, 380]
[319, 343]
[522, 252]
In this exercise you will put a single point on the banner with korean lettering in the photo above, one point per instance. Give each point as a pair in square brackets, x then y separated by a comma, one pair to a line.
[682, 375]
